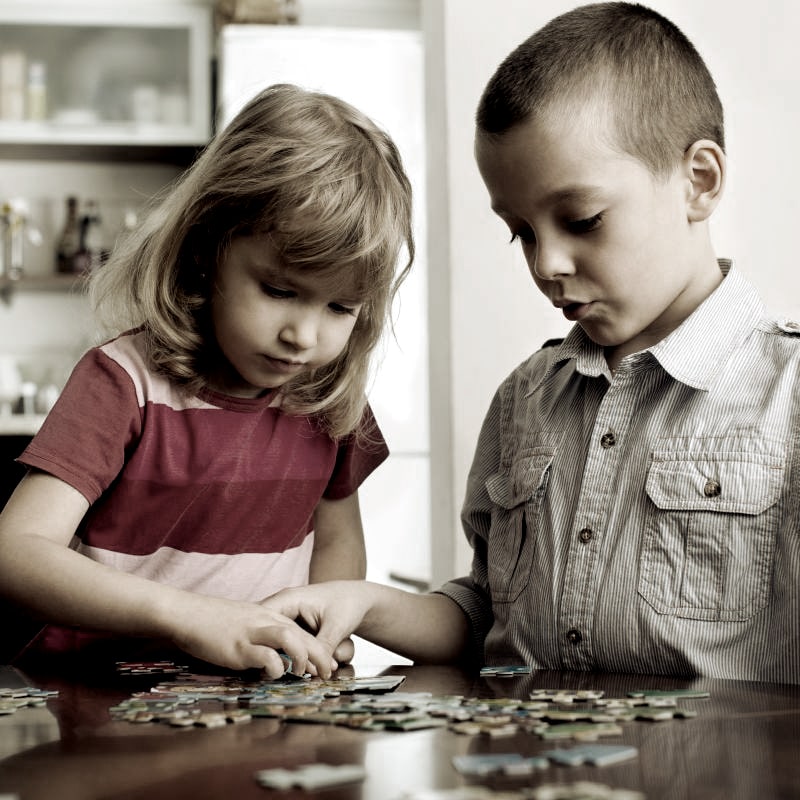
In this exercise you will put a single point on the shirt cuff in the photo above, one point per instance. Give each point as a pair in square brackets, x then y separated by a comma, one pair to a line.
[476, 607]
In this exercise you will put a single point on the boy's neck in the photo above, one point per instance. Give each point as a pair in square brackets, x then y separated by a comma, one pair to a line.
[711, 276]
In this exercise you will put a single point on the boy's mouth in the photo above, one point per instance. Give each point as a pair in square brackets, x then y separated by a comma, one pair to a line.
[575, 311]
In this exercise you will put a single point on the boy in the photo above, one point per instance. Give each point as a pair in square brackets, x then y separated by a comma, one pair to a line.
[634, 501]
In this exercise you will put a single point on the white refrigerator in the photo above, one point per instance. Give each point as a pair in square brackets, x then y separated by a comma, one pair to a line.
[381, 73]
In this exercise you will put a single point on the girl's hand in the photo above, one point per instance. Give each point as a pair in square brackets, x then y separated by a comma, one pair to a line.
[344, 651]
[239, 635]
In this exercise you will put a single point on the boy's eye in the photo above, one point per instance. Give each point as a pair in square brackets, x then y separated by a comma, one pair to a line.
[524, 235]
[274, 291]
[584, 225]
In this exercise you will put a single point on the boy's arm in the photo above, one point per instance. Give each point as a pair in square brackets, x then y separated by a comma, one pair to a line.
[40, 571]
[427, 628]
[339, 549]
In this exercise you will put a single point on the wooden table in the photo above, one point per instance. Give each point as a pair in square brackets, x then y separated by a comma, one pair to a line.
[744, 745]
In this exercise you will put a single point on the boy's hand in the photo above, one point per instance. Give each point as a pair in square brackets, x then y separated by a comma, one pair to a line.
[333, 610]
[239, 635]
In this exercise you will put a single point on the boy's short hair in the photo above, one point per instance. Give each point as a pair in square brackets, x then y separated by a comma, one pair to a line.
[658, 89]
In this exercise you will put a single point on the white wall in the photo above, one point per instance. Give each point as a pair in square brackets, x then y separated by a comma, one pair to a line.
[493, 313]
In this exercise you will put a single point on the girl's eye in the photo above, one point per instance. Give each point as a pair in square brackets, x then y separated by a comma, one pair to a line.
[338, 308]
[584, 225]
[274, 291]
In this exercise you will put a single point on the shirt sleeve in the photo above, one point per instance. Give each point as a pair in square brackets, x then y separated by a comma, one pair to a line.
[85, 437]
[472, 593]
[359, 454]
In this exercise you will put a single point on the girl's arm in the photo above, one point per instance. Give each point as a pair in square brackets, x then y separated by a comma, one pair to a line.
[39, 570]
[339, 550]
[427, 628]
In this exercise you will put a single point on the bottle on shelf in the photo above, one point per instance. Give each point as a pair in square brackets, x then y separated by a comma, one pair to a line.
[69, 242]
[93, 251]
[37, 91]
[12, 85]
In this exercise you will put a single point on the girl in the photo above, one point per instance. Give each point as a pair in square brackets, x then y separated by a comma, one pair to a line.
[210, 453]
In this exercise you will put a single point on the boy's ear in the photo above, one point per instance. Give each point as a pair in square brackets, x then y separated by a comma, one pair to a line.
[705, 167]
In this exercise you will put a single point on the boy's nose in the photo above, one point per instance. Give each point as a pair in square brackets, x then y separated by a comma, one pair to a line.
[549, 262]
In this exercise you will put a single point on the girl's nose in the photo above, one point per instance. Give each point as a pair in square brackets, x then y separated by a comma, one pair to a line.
[301, 329]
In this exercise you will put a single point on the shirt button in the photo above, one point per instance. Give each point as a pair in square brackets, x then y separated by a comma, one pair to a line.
[712, 488]
[574, 636]
[586, 535]
[608, 440]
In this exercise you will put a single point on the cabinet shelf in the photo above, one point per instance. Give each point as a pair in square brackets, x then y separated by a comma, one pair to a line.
[65, 284]
[100, 133]
[131, 151]
[20, 424]
[57, 282]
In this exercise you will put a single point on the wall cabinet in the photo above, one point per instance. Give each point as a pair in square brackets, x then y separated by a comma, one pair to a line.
[85, 74]
[107, 102]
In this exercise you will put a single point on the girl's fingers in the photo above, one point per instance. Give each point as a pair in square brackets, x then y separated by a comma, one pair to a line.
[306, 653]
[344, 651]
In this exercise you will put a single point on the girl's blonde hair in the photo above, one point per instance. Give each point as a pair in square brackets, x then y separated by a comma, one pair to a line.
[327, 186]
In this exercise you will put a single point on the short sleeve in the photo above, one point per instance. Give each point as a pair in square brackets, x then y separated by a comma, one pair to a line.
[95, 421]
[359, 454]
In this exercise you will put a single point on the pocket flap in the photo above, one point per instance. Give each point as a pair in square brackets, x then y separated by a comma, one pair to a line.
[736, 483]
[526, 476]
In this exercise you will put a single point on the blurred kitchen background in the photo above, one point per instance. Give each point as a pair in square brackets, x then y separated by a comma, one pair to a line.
[106, 103]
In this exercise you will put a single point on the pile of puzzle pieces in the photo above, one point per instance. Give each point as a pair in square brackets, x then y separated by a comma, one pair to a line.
[374, 704]
[13, 699]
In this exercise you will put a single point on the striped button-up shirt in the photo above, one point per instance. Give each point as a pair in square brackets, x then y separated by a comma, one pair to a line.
[646, 521]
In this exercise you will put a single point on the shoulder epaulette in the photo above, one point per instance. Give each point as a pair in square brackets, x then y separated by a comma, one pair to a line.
[789, 326]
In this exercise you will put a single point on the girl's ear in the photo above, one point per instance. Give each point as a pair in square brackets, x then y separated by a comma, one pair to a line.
[705, 167]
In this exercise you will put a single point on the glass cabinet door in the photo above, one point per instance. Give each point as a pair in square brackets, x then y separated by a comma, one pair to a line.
[95, 73]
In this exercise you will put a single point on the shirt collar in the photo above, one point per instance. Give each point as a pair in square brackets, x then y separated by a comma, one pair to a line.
[696, 350]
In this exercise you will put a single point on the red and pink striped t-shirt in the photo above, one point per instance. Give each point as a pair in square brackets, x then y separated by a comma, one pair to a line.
[210, 493]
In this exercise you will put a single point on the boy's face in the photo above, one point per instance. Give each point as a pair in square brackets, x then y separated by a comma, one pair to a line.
[606, 241]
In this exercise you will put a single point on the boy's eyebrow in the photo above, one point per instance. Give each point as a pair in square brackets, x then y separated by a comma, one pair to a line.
[566, 194]
[572, 193]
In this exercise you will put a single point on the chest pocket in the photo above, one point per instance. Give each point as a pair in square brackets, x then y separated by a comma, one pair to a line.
[517, 495]
[709, 546]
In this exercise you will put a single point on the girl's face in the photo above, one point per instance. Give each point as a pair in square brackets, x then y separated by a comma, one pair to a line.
[272, 324]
